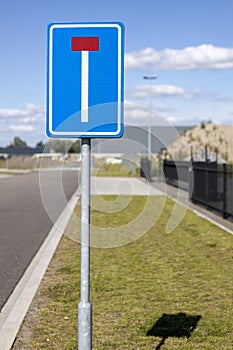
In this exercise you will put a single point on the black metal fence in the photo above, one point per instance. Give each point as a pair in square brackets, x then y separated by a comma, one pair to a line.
[177, 173]
[145, 168]
[209, 183]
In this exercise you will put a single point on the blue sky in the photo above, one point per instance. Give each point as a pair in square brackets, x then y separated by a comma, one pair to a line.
[188, 45]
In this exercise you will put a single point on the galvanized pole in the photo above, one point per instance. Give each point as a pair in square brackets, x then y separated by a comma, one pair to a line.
[149, 148]
[85, 308]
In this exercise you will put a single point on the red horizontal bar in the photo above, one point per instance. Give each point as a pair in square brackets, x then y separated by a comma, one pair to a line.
[85, 43]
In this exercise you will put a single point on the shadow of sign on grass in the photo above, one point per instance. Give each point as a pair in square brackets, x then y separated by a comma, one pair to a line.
[174, 325]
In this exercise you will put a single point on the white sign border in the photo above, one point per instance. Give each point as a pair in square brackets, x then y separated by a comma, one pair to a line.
[50, 83]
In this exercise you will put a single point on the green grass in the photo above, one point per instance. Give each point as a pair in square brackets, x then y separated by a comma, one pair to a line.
[114, 170]
[159, 276]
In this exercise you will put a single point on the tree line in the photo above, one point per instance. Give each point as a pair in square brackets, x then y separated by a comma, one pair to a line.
[56, 145]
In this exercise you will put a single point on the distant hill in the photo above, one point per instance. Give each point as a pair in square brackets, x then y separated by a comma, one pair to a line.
[135, 140]
[218, 138]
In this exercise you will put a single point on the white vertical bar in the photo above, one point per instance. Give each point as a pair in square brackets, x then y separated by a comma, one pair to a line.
[84, 86]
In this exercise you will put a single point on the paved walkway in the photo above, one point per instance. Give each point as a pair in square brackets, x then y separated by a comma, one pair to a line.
[122, 186]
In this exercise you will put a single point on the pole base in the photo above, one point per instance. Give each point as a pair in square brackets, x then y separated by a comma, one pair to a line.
[84, 326]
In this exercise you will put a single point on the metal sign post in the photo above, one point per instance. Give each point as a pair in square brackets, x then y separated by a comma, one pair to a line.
[85, 308]
[85, 94]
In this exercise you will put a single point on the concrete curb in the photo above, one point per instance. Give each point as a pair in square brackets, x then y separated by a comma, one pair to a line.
[215, 222]
[15, 309]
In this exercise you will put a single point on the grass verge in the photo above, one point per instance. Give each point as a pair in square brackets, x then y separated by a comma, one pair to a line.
[163, 291]
[114, 170]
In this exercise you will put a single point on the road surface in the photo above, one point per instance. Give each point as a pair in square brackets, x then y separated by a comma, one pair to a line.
[24, 222]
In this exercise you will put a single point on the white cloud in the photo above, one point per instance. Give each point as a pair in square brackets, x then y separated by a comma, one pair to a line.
[147, 91]
[29, 113]
[142, 58]
[140, 115]
[20, 128]
[171, 120]
[31, 119]
[12, 113]
[192, 57]
[27, 123]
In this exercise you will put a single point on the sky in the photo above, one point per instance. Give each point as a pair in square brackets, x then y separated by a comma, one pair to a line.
[186, 44]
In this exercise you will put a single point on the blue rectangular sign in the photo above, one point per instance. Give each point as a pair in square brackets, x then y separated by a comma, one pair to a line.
[85, 80]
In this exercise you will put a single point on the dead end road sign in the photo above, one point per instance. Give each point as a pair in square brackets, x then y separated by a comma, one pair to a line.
[85, 80]
[85, 93]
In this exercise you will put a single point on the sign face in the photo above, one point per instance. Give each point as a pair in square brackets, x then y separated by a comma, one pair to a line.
[85, 80]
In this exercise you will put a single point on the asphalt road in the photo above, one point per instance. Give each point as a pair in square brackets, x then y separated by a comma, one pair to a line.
[24, 220]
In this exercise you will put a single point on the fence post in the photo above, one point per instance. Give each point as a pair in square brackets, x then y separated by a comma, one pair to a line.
[190, 179]
[207, 184]
[145, 169]
[206, 154]
[224, 209]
